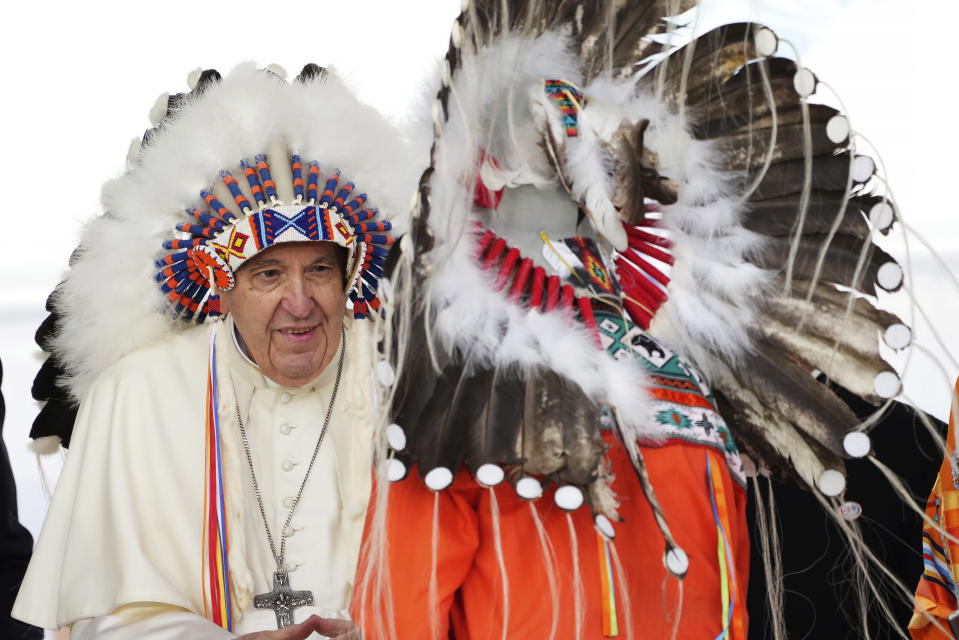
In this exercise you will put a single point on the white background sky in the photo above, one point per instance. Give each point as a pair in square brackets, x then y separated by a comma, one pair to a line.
[80, 78]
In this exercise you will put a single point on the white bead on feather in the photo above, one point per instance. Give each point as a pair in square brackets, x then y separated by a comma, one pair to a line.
[857, 444]
[804, 82]
[529, 488]
[438, 478]
[395, 470]
[568, 498]
[837, 129]
[882, 215]
[605, 526]
[831, 483]
[766, 41]
[490, 475]
[396, 437]
[862, 168]
[886, 384]
[889, 276]
[677, 562]
[897, 336]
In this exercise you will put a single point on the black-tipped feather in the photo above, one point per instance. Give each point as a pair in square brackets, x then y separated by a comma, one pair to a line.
[442, 430]
[785, 178]
[778, 216]
[789, 390]
[417, 381]
[494, 436]
[840, 265]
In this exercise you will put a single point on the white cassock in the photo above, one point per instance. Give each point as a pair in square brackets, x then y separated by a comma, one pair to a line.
[120, 554]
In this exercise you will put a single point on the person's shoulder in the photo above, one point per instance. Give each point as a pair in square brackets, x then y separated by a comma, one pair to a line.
[179, 355]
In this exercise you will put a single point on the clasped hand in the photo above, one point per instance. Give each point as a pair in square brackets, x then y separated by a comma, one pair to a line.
[336, 629]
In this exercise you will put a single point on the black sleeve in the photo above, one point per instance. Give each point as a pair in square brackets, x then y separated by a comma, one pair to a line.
[16, 545]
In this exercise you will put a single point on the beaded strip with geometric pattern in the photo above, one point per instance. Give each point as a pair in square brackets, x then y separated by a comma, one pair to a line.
[216, 241]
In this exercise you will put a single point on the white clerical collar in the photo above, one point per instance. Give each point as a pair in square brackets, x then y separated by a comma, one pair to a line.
[241, 348]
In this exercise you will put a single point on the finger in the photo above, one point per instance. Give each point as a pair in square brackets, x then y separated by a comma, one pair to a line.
[333, 627]
[302, 630]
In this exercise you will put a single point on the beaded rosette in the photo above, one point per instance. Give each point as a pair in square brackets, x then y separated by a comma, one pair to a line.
[218, 238]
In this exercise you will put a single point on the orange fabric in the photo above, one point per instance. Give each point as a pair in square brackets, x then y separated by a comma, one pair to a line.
[469, 581]
[933, 598]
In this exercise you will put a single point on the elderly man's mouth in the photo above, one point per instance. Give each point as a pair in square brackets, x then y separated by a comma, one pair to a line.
[298, 334]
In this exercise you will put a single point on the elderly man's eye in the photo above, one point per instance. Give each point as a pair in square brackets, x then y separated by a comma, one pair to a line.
[267, 274]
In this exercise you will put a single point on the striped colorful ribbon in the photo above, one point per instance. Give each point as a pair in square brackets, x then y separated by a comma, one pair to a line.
[733, 624]
[216, 570]
[610, 624]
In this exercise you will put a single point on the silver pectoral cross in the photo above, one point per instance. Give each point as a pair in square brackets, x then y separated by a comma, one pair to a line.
[283, 600]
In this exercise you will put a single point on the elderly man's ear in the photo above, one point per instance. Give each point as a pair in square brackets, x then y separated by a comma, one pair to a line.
[224, 301]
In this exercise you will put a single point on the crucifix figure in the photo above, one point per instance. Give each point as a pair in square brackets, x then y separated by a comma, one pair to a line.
[283, 600]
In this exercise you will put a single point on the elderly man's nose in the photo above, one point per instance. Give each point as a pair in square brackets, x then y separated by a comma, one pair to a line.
[297, 298]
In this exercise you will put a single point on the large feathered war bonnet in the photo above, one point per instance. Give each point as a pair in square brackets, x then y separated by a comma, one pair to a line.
[229, 169]
[296, 201]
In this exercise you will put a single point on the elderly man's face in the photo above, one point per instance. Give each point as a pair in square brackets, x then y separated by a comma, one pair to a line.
[288, 305]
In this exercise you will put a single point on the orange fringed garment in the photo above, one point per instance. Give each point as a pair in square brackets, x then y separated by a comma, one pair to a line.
[469, 587]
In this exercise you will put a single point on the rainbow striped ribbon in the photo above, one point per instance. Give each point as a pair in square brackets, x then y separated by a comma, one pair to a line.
[216, 570]
[608, 587]
[733, 627]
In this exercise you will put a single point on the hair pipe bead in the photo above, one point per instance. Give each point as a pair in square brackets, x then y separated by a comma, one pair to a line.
[251, 178]
[235, 191]
[297, 171]
[340, 199]
[313, 177]
[263, 169]
[354, 204]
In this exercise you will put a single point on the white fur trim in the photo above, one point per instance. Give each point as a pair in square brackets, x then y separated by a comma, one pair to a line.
[45, 446]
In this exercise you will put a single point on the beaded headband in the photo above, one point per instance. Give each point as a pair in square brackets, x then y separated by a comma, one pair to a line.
[216, 241]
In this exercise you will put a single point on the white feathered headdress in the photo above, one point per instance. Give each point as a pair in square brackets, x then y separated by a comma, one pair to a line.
[178, 217]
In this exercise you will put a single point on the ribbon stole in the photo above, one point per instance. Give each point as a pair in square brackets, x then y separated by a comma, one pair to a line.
[216, 570]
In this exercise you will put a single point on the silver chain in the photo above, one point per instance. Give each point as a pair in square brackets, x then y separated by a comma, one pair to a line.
[316, 450]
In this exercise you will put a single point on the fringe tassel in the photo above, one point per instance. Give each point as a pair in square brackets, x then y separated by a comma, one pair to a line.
[500, 559]
[577, 579]
[216, 570]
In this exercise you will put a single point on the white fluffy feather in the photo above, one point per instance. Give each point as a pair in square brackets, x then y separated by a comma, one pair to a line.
[713, 290]
[469, 311]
